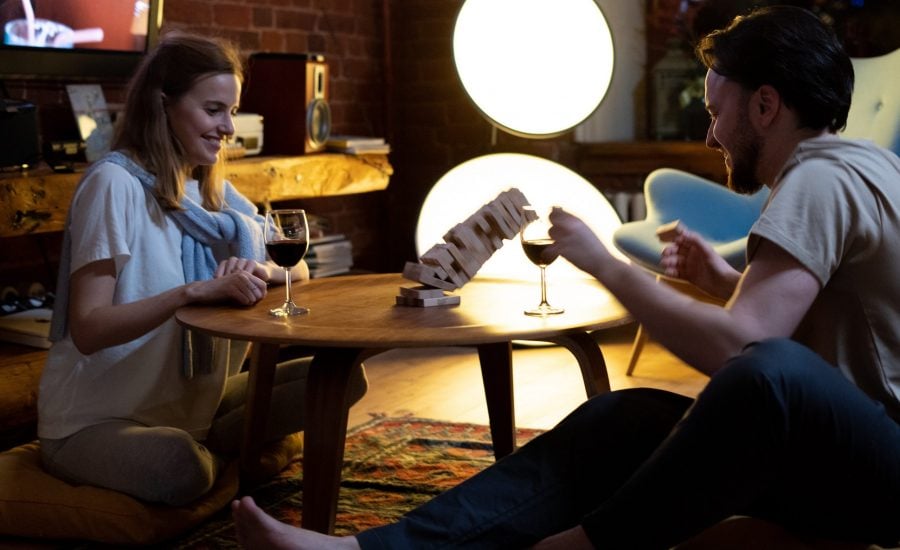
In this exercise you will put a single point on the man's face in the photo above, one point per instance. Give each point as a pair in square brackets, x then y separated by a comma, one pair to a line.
[730, 131]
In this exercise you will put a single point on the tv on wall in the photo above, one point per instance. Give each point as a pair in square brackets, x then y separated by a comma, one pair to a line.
[76, 38]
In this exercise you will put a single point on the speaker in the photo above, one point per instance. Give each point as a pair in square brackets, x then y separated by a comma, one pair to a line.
[19, 141]
[290, 91]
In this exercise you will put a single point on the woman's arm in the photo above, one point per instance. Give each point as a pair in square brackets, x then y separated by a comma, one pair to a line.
[95, 322]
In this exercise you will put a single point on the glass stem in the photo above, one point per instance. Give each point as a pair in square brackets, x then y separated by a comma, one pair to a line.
[543, 287]
[287, 286]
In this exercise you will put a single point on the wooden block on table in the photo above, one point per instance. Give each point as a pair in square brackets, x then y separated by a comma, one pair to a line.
[421, 292]
[668, 231]
[428, 302]
[426, 275]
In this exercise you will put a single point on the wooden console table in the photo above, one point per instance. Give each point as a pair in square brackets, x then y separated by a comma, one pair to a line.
[37, 201]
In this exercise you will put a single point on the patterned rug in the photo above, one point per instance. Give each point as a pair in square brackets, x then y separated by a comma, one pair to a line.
[391, 465]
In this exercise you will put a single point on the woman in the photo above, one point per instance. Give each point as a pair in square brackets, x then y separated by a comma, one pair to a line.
[128, 400]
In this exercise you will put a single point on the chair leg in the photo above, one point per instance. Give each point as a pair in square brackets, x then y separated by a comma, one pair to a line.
[639, 340]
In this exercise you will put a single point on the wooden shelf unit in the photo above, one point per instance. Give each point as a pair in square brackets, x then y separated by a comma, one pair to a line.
[37, 201]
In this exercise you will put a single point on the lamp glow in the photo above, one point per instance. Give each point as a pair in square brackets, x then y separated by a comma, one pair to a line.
[535, 68]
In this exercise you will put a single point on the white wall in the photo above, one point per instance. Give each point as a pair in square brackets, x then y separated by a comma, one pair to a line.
[614, 119]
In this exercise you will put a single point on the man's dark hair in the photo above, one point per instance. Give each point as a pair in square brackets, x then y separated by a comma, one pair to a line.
[790, 49]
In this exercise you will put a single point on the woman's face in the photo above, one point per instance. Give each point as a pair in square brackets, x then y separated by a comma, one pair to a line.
[201, 118]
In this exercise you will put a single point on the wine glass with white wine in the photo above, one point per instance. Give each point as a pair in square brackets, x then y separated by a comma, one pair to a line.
[287, 240]
[535, 237]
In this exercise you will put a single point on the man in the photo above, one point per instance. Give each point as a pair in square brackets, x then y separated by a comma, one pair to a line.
[779, 433]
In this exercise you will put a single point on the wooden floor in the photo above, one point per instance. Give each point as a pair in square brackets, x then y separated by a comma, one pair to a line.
[445, 383]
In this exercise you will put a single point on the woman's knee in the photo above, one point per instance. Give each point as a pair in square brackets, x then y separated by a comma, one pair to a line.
[185, 471]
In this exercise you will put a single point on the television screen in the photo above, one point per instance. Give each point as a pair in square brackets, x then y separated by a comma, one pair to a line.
[70, 38]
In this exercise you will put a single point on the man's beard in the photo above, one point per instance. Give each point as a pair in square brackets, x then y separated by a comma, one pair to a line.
[744, 161]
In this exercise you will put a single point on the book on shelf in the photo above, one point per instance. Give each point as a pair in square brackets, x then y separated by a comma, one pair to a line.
[358, 145]
[30, 327]
[330, 250]
[344, 140]
[331, 255]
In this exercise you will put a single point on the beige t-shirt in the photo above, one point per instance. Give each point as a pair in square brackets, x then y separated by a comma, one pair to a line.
[836, 209]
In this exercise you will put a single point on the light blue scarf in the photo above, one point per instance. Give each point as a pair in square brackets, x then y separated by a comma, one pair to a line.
[238, 224]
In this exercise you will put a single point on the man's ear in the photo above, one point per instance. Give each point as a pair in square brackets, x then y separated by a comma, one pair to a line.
[766, 104]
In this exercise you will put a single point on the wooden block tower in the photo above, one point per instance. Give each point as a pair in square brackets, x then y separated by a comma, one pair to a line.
[467, 245]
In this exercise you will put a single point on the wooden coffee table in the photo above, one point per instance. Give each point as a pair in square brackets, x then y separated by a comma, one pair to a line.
[355, 317]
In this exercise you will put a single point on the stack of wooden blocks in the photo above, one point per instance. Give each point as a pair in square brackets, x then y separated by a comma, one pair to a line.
[451, 264]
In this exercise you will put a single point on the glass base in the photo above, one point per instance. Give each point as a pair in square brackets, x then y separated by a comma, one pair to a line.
[288, 309]
[543, 310]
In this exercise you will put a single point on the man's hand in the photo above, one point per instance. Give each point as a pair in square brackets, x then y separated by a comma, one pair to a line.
[576, 242]
[692, 259]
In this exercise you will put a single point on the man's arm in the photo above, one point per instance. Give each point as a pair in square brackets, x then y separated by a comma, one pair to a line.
[771, 298]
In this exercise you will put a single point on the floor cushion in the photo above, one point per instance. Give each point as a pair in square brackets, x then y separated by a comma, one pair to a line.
[35, 504]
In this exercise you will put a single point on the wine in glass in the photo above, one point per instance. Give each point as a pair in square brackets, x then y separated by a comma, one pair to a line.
[535, 237]
[287, 240]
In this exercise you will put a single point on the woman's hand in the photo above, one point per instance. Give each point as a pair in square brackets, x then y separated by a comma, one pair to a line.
[234, 264]
[238, 285]
[692, 259]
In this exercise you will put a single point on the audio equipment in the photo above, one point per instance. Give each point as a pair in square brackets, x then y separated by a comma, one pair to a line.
[290, 91]
[19, 141]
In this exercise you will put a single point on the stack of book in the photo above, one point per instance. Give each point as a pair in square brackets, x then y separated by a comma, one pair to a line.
[357, 145]
[329, 255]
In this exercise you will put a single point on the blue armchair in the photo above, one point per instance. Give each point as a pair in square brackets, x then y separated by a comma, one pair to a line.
[724, 218]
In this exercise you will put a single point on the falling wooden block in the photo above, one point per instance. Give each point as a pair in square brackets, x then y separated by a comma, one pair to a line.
[668, 231]
[426, 275]
[464, 237]
[439, 257]
[468, 245]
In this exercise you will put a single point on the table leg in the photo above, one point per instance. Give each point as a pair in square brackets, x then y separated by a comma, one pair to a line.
[263, 358]
[590, 359]
[496, 373]
[325, 432]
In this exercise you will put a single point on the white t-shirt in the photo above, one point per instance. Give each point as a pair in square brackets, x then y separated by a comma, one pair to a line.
[113, 217]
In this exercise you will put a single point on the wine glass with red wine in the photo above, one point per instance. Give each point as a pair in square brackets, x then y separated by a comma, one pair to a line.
[535, 237]
[287, 240]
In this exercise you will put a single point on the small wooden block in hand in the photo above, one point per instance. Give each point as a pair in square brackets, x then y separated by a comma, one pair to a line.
[668, 231]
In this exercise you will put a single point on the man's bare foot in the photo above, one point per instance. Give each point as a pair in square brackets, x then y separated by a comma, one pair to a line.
[256, 529]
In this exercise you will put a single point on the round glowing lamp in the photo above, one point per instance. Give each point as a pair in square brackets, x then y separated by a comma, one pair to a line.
[534, 68]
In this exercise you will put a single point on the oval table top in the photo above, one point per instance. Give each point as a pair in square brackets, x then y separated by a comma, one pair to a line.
[360, 311]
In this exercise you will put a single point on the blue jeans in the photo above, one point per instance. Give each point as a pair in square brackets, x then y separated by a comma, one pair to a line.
[777, 434]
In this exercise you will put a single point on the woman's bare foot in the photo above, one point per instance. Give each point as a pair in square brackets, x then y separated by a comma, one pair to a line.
[256, 529]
